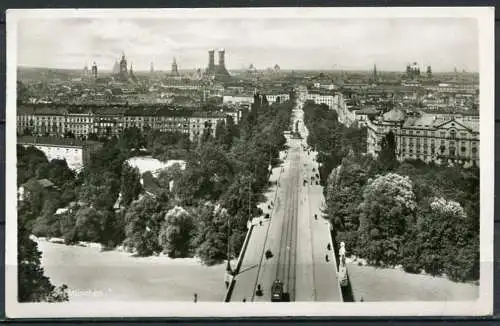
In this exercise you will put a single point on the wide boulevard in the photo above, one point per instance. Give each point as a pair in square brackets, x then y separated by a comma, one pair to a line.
[296, 234]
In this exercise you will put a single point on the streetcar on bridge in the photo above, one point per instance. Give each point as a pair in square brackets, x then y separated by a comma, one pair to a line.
[277, 294]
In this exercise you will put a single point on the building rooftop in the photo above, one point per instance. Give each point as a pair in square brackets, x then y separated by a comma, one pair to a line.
[55, 141]
[394, 115]
[424, 121]
[208, 114]
[44, 183]
[368, 111]
[150, 184]
[432, 121]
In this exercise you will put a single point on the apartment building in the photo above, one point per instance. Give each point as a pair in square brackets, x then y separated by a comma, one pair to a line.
[442, 139]
[111, 121]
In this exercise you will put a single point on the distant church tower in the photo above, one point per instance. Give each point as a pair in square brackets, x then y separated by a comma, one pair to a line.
[429, 72]
[151, 68]
[131, 73]
[123, 69]
[375, 77]
[175, 71]
[94, 70]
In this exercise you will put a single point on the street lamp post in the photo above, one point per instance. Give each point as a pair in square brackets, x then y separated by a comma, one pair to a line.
[250, 193]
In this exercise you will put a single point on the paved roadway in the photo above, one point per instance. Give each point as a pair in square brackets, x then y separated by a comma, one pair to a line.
[298, 256]
[246, 280]
[325, 273]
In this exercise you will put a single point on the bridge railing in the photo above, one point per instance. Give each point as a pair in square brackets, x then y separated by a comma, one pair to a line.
[235, 272]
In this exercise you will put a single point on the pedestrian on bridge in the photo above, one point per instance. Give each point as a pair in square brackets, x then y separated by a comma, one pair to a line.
[259, 291]
[195, 297]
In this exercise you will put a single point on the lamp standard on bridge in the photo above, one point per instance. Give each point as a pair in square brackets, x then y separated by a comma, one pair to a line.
[229, 270]
[250, 194]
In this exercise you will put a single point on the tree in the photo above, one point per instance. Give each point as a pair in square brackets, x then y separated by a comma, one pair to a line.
[386, 211]
[176, 233]
[230, 133]
[211, 235]
[207, 175]
[130, 184]
[28, 160]
[220, 130]
[113, 228]
[170, 174]
[142, 224]
[100, 191]
[32, 205]
[59, 172]
[447, 245]
[89, 224]
[387, 154]
[33, 285]
[132, 138]
[47, 224]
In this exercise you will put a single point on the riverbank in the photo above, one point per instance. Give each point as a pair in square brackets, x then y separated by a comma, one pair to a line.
[386, 284]
[115, 275]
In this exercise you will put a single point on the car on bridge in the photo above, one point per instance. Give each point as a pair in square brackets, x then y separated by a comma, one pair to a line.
[277, 291]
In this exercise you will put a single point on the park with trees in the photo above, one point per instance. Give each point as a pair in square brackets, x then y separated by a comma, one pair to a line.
[423, 217]
[203, 215]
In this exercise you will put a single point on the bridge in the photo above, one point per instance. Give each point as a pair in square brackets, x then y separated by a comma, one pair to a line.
[298, 238]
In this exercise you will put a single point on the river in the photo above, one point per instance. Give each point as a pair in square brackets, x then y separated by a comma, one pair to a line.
[116, 276]
[384, 284]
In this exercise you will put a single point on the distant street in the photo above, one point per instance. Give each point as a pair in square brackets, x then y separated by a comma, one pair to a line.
[297, 239]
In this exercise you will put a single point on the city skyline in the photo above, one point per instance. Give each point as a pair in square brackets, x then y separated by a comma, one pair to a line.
[445, 43]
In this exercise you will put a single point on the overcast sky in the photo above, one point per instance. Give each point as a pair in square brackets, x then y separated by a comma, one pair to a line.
[291, 43]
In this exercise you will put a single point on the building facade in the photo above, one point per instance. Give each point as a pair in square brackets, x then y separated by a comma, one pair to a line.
[238, 99]
[201, 123]
[277, 98]
[378, 128]
[112, 121]
[444, 139]
[77, 153]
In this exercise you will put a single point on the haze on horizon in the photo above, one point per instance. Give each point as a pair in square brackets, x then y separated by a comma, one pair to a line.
[306, 44]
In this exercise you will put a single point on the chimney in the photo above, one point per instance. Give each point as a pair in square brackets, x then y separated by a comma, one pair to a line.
[211, 60]
[221, 58]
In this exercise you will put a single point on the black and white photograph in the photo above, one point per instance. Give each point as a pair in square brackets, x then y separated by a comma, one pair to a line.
[249, 162]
